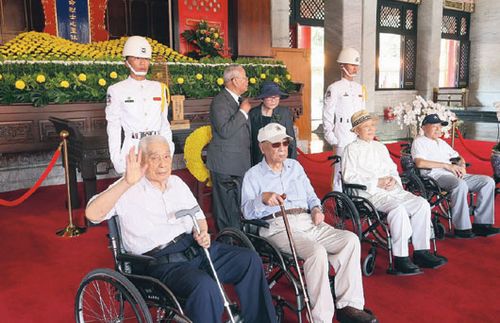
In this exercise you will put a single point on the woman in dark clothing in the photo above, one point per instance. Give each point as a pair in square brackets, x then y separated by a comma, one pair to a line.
[270, 111]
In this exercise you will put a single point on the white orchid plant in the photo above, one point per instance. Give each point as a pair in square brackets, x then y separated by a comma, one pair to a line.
[412, 115]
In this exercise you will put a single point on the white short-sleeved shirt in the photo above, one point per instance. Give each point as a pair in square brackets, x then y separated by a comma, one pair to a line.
[147, 215]
[433, 150]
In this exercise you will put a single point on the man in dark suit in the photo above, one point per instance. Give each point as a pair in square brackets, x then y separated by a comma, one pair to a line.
[228, 155]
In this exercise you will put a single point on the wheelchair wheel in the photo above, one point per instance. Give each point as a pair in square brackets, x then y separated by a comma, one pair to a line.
[439, 231]
[162, 303]
[234, 237]
[341, 212]
[369, 264]
[105, 295]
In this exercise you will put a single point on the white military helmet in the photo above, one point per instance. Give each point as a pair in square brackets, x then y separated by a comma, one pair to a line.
[349, 55]
[137, 46]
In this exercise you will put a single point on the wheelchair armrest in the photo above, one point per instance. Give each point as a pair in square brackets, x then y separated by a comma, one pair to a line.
[257, 222]
[135, 258]
[355, 186]
[334, 158]
[456, 160]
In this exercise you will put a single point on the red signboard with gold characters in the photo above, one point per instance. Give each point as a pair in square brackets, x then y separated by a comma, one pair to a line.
[215, 12]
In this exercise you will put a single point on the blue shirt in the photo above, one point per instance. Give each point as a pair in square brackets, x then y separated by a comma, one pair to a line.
[292, 181]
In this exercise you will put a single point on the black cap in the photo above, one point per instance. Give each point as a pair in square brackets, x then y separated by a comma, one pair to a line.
[433, 119]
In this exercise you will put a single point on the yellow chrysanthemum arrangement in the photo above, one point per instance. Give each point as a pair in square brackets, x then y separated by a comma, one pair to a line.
[193, 148]
[41, 46]
[39, 69]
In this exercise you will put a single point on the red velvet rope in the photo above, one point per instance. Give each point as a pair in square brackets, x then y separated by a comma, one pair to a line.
[461, 138]
[394, 154]
[37, 184]
[322, 160]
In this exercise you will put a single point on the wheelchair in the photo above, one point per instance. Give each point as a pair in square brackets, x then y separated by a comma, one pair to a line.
[279, 266]
[428, 188]
[105, 295]
[357, 214]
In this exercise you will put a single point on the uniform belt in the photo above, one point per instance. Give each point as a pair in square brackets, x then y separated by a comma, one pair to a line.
[140, 135]
[297, 210]
[163, 246]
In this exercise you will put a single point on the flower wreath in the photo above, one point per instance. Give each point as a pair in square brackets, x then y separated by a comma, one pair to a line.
[193, 148]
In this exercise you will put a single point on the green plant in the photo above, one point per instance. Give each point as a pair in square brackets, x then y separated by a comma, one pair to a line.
[206, 40]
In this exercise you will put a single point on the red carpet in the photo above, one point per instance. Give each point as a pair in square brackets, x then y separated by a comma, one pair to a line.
[41, 272]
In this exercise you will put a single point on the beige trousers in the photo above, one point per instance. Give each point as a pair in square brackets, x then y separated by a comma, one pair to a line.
[320, 246]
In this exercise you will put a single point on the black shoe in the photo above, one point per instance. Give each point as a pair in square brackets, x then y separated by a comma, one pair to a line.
[405, 267]
[350, 314]
[425, 259]
[484, 230]
[464, 234]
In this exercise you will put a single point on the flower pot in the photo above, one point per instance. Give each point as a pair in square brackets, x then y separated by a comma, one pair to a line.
[495, 163]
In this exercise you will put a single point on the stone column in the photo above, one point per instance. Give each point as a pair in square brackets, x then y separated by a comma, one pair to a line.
[280, 23]
[369, 53]
[430, 14]
[484, 67]
[343, 28]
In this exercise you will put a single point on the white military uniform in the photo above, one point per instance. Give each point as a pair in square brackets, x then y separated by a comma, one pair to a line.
[342, 99]
[408, 215]
[135, 106]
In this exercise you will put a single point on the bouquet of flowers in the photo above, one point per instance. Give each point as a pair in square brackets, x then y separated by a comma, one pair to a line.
[412, 115]
[206, 40]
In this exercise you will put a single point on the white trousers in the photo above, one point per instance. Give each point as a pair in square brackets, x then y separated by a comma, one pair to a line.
[320, 246]
[407, 218]
[337, 177]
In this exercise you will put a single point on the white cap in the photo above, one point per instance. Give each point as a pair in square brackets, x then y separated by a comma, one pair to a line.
[349, 55]
[137, 46]
[272, 132]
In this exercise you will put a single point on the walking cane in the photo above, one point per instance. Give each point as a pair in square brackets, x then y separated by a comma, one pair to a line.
[191, 213]
[294, 254]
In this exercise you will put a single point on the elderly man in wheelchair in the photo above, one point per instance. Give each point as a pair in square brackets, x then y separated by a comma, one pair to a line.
[367, 162]
[148, 200]
[318, 244]
[431, 152]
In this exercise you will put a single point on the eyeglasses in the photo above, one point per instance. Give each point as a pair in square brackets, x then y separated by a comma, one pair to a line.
[285, 144]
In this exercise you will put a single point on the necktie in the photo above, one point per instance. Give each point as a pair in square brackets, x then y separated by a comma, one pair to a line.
[240, 99]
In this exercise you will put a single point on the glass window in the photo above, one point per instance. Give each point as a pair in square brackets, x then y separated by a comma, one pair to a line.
[455, 48]
[396, 45]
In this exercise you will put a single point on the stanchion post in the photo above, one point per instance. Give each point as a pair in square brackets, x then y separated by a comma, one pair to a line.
[71, 230]
[453, 125]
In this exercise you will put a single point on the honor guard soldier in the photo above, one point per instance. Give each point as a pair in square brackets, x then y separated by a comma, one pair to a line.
[342, 99]
[136, 105]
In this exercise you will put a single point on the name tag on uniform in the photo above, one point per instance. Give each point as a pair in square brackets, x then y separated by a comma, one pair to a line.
[157, 98]
[345, 94]
[360, 95]
[129, 100]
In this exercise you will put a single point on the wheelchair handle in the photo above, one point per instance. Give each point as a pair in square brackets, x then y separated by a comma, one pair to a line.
[355, 186]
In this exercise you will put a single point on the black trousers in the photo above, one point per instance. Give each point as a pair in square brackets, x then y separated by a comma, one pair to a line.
[226, 197]
[190, 280]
